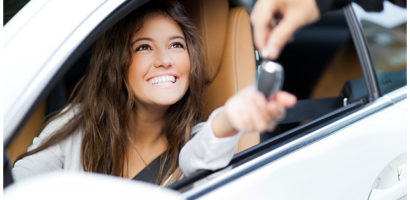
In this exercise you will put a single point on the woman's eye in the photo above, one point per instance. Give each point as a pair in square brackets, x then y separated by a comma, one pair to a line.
[143, 47]
[177, 45]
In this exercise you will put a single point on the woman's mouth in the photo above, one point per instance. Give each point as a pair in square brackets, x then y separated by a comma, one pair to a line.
[162, 80]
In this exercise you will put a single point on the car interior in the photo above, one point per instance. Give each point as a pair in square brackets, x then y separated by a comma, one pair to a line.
[230, 65]
[320, 65]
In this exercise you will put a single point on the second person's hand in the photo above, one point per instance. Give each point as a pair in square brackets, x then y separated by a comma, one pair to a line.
[294, 14]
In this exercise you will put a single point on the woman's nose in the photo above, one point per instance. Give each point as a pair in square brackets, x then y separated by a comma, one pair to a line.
[163, 59]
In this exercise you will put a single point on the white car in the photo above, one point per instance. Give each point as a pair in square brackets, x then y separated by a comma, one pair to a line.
[352, 149]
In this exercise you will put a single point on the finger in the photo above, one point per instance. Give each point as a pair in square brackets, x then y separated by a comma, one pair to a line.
[258, 119]
[284, 98]
[261, 17]
[271, 126]
[282, 33]
[277, 114]
[276, 111]
[281, 113]
[261, 105]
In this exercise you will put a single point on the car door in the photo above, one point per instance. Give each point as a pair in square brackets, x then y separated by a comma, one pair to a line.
[357, 151]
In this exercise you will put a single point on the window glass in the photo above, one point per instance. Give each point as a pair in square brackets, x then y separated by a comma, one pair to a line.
[322, 69]
[385, 33]
[12, 7]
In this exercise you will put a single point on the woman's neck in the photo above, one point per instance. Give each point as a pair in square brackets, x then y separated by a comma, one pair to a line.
[149, 123]
[148, 141]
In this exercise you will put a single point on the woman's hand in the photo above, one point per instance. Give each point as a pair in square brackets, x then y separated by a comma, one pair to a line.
[249, 111]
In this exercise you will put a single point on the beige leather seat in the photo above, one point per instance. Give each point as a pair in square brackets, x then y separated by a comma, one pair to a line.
[25, 137]
[230, 63]
[230, 57]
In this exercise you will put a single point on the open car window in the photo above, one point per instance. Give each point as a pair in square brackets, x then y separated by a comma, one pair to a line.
[386, 37]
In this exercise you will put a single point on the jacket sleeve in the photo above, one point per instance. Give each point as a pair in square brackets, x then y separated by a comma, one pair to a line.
[369, 5]
[205, 150]
[49, 159]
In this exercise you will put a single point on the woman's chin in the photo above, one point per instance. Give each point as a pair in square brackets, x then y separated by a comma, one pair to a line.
[167, 101]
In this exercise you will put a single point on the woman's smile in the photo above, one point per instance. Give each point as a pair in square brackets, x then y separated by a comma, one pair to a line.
[163, 80]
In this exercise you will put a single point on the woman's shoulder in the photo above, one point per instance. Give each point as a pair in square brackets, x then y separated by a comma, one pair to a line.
[62, 118]
[55, 124]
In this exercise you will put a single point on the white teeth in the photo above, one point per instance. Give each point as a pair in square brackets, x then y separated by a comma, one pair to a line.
[162, 80]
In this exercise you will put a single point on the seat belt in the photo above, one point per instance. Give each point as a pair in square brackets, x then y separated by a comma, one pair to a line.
[308, 109]
[352, 91]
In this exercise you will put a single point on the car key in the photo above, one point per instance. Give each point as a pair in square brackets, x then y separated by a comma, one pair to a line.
[270, 77]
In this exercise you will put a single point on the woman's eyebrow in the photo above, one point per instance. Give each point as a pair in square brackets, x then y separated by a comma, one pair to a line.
[177, 37]
[150, 39]
[141, 38]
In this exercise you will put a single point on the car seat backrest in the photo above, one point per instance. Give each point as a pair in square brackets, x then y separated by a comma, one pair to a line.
[230, 58]
[25, 137]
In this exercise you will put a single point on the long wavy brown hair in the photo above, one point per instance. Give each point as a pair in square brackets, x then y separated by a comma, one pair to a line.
[104, 103]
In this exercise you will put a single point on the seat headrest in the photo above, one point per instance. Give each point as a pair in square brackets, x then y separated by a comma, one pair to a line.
[211, 18]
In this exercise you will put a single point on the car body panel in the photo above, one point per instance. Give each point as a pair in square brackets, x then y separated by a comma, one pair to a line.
[38, 28]
[71, 185]
[342, 165]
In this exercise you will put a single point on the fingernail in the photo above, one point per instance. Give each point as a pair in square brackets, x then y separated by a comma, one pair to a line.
[274, 52]
[265, 53]
[271, 126]
[270, 53]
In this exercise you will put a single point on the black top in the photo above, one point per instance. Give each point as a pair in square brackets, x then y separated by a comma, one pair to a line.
[150, 173]
[368, 5]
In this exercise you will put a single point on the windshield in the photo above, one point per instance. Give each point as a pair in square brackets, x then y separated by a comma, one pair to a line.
[385, 33]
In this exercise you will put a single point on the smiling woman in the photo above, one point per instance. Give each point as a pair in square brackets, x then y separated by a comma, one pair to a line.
[135, 111]
[117, 121]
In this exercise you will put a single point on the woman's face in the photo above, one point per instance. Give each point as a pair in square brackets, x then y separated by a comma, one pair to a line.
[160, 66]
